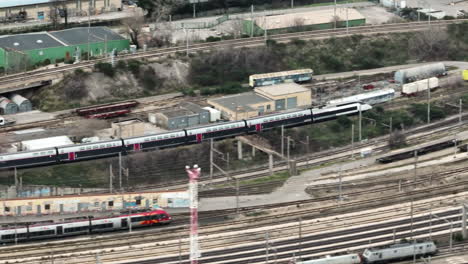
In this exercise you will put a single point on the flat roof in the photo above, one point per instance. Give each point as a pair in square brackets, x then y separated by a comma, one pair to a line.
[240, 100]
[281, 89]
[29, 41]
[79, 35]
[49, 142]
[176, 112]
[322, 16]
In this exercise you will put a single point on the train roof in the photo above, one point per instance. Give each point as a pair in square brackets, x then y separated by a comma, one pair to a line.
[282, 73]
[363, 96]
[401, 245]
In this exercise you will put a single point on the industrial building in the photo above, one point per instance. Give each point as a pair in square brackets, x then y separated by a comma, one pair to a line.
[312, 20]
[263, 100]
[88, 203]
[39, 10]
[186, 115]
[128, 128]
[23, 50]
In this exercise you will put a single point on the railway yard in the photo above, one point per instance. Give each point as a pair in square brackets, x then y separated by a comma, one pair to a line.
[367, 165]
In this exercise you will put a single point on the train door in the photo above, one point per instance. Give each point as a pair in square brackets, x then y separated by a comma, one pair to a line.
[199, 138]
[258, 127]
[136, 147]
[71, 156]
[59, 230]
[124, 223]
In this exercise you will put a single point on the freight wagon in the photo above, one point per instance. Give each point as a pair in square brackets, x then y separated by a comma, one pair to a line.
[299, 76]
[420, 72]
[420, 151]
[106, 110]
[419, 86]
[465, 75]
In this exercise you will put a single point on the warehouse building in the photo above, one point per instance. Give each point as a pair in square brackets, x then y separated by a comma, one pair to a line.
[186, 115]
[70, 204]
[312, 20]
[14, 10]
[7, 107]
[23, 50]
[263, 100]
[24, 105]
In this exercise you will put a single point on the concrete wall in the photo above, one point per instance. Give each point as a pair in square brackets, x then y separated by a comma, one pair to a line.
[9, 192]
[82, 203]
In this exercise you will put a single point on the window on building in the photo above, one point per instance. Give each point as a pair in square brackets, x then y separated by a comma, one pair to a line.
[47, 206]
[7, 209]
[138, 201]
[268, 107]
[111, 203]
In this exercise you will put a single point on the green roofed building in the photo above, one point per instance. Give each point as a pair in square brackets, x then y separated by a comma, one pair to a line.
[312, 20]
[25, 50]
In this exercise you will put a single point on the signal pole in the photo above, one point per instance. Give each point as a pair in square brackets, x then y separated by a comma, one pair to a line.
[194, 175]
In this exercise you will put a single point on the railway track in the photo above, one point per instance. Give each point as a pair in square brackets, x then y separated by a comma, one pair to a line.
[317, 34]
[259, 222]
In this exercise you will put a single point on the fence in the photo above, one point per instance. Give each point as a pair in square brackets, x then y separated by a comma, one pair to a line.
[201, 25]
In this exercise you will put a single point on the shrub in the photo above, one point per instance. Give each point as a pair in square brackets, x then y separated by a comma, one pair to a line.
[46, 62]
[134, 66]
[212, 39]
[105, 68]
[121, 65]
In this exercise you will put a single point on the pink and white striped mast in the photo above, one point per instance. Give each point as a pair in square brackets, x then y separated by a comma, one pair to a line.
[193, 174]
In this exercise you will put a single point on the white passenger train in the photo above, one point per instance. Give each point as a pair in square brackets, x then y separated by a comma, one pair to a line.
[371, 98]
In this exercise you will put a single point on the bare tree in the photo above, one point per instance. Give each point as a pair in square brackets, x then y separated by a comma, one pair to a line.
[58, 9]
[430, 44]
[87, 128]
[133, 26]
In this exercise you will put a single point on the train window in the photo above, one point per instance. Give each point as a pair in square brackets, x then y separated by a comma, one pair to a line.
[88, 147]
[109, 145]
[42, 233]
[420, 247]
[47, 207]
[103, 146]
[138, 202]
[108, 225]
[7, 209]
[82, 148]
[153, 138]
[76, 229]
[166, 136]
[428, 246]
[395, 251]
[42, 153]
[172, 136]
[147, 139]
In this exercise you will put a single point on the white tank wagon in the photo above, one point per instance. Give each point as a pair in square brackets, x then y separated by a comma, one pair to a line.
[24, 105]
[345, 259]
[7, 107]
[420, 72]
[419, 86]
[399, 251]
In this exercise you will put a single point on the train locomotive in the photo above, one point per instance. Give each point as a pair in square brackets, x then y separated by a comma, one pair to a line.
[86, 226]
[192, 135]
[379, 255]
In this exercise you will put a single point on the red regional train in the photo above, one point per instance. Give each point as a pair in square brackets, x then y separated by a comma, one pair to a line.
[87, 226]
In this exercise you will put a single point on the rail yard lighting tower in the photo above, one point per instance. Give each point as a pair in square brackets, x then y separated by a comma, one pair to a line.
[194, 175]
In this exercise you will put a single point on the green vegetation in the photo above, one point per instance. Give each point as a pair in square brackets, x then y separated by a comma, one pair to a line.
[226, 88]
[105, 68]
[72, 175]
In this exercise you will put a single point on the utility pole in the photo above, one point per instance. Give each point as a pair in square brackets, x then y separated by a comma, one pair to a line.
[340, 197]
[415, 166]
[16, 183]
[265, 29]
[464, 232]
[111, 176]
[266, 247]
[252, 21]
[89, 28]
[289, 165]
[460, 112]
[428, 103]
[411, 218]
[360, 122]
[237, 195]
[347, 20]
[300, 236]
[292, 3]
[211, 161]
[120, 171]
[282, 140]
[352, 141]
[334, 15]
[194, 175]
[186, 41]
[194, 11]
